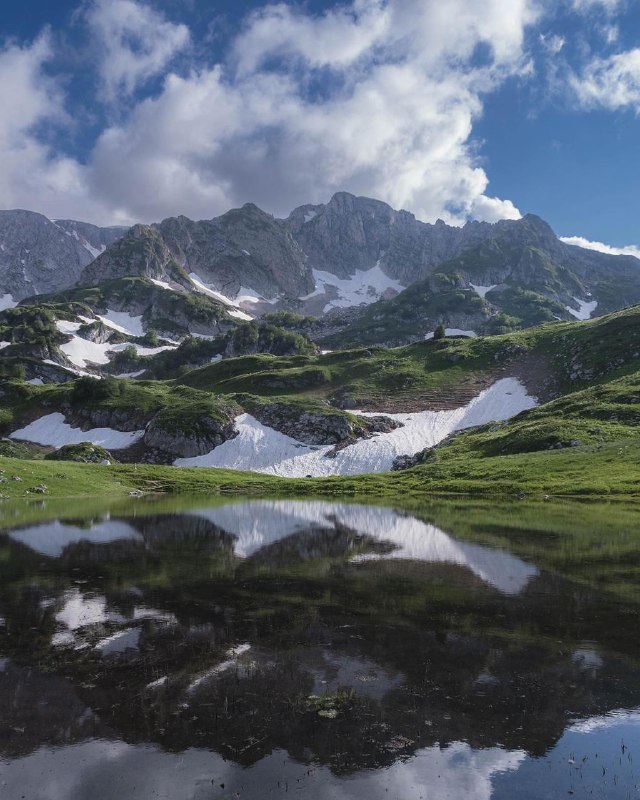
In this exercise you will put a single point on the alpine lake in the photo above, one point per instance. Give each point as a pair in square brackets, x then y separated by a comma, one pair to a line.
[203, 649]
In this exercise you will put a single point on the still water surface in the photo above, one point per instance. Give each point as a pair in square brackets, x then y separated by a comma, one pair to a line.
[275, 649]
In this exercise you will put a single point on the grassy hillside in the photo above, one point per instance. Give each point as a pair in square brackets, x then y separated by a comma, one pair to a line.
[585, 441]
[611, 470]
[552, 359]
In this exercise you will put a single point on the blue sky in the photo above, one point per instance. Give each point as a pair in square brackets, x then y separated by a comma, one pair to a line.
[124, 110]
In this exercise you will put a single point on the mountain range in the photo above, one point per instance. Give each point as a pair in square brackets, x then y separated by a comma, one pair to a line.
[331, 262]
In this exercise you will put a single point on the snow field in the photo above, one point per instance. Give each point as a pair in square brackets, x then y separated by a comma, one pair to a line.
[262, 449]
[202, 287]
[53, 431]
[365, 287]
[123, 322]
[81, 352]
[454, 332]
[7, 301]
[482, 290]
[585, 311]
[162, 284]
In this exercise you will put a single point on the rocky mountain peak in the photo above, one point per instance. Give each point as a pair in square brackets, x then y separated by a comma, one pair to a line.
[38, 255]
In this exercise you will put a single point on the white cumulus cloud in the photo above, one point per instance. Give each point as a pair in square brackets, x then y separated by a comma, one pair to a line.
[134, 43]
[395, 122]
[612, 83]
[31, 173]
[376, 97]
[579, 241]
[610, 6]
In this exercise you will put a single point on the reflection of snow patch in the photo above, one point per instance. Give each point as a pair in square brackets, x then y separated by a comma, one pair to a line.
[51, 538]
[79, 610]
[233, 654]
[52, 430]
[262, 449]
[587, 658]
[128, 639]
[4, 344]
[585, 310]
[260, 523]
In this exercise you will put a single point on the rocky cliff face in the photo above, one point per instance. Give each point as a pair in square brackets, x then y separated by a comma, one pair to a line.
[38, 255]
[244, 249]
[355, 233]
[335, 257]
[140, 253]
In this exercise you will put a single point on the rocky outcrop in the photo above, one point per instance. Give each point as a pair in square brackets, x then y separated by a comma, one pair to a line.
[355, 233]
[119, 419]
[85, 453]
[199, 438]
[91, 237]
[317, 428]
[141, 253]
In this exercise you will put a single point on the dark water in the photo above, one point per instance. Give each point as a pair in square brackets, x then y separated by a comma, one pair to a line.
[275, 649]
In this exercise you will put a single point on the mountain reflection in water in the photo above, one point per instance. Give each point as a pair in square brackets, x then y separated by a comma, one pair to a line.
[343, 651]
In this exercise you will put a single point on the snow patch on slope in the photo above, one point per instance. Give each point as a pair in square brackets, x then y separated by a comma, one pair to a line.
[7, 301]
[162, 284]
[82, 352]
[53, 431]
[585, 310]
[123, 322]
[258, 524]
[93, 251]
[131, 374]
[227, 301]
[262, 449]
[454, 332]
[363, 288]
[482, 290]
